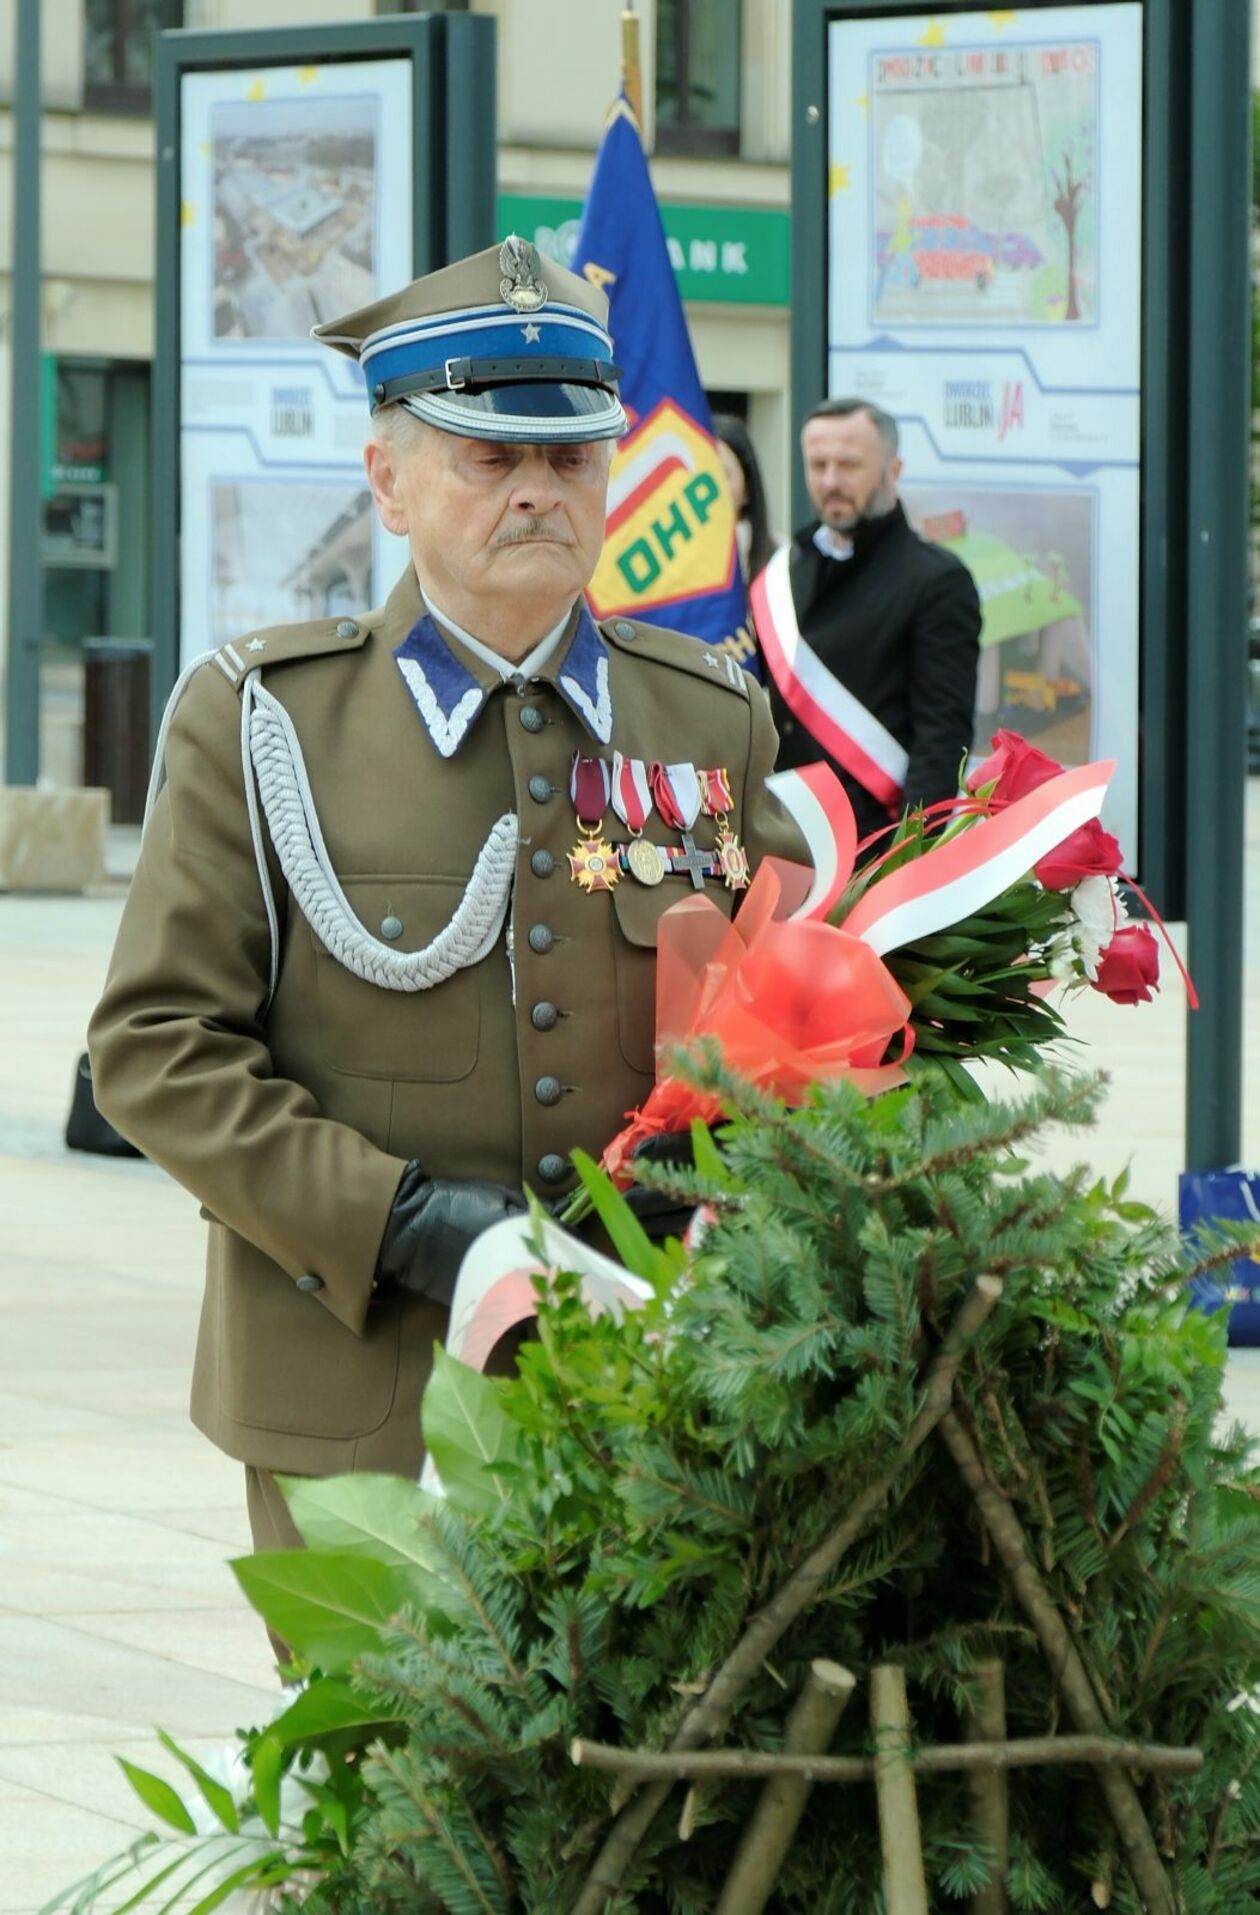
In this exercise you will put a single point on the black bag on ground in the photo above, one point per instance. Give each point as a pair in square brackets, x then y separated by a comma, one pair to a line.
[86, 1129]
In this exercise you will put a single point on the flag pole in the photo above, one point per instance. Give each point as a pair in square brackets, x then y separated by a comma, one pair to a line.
[631, 71]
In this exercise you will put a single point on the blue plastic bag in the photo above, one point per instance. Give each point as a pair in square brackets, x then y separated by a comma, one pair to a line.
[1204, 1196]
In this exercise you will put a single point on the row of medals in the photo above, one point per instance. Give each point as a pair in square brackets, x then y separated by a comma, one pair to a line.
[597, 865]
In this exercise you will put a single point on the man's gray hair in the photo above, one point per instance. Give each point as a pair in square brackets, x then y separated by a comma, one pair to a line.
[397, 427]
[883, 422]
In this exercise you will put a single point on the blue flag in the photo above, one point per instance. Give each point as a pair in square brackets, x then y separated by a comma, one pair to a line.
[669, 552]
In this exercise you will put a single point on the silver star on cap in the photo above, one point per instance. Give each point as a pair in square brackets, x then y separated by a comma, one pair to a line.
[532, 333]
[522, 286]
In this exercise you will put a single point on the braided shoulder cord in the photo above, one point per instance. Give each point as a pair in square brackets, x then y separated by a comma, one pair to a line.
[288, 803]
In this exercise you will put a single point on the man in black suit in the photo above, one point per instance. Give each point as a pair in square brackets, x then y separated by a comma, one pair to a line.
[871, 634]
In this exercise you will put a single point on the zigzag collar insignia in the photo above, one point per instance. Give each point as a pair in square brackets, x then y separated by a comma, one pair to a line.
[583, 678]
[444, 691]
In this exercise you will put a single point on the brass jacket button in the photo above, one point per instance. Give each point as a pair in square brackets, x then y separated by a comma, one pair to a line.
[391, 927]
[531, 718]
[542, 864]
[549, 1090]
[309, 1282]
[543, 1016]
[541, 938]
[540, 789]
[553, 1169]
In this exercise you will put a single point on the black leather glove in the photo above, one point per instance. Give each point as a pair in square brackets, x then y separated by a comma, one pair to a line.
[431, 1224]
[661, 1214]
[666, 1147]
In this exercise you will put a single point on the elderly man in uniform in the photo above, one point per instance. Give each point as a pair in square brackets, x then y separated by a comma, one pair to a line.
[388, 956]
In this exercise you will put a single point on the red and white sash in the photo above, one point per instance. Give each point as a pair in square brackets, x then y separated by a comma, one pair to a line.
[845, 729]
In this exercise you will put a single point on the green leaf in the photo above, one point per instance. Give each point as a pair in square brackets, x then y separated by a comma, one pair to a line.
[266, 1764]
[382, 1517]
[466, 1430]
[708, 1159]
[218, 1799]
[158, 1797]
[86, 1892]
[627, 1235]
[186, 1859]
[325, 1708]
[245, 1876]
[334, 1811]
[333, 1608]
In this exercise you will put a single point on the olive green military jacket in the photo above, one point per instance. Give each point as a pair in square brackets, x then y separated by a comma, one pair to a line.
[290, 1112]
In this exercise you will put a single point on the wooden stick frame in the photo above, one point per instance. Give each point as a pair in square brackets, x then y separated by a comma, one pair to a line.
[646, 1776]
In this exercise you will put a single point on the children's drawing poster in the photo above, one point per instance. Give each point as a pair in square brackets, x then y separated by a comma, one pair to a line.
[984, 287]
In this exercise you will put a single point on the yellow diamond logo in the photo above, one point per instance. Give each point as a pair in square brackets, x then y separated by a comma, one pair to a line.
[670, 532]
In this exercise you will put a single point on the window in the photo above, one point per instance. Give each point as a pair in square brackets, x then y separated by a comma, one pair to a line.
[118, 51]
[697, 76]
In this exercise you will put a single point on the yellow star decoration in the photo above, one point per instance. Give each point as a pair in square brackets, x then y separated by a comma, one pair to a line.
[258, 91]
[307, 75]
[837, 178]
[863, 102]
[1000, 17]
[933, 34]
[187, 213]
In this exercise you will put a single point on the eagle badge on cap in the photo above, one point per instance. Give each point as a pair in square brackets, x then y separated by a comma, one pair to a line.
[521, 286]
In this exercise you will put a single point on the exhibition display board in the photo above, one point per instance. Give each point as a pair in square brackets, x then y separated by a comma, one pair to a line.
[305, 173]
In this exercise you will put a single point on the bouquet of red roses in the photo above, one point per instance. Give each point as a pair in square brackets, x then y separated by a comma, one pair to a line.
[944, 945]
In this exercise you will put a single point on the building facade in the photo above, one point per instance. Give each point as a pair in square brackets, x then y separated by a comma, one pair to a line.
[716, 84]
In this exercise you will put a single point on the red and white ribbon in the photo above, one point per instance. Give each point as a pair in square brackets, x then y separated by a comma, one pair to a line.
[715, 793]
[841, 723]
[955, 879]
[676, 789]
[631, 792]
[817, 803]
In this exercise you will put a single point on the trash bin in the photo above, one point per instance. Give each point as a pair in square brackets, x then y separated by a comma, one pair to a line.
[1233, 1194]
[116, 721]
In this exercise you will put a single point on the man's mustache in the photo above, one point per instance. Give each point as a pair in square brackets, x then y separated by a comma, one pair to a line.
[526, 531]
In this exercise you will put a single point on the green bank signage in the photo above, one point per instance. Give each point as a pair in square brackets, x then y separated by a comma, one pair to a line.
[727, 254]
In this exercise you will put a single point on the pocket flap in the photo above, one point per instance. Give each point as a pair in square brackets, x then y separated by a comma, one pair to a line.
[640, 907]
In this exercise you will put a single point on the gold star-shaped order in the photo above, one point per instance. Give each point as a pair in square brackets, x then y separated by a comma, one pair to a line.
[594, 866]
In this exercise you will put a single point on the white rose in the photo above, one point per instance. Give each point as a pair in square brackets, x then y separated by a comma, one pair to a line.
[1098, 910]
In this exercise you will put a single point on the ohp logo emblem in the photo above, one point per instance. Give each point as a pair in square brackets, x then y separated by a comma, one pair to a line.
[670, 532]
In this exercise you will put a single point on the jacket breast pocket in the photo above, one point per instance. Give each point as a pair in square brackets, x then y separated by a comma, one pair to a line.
[637, 913]
[366, 1030]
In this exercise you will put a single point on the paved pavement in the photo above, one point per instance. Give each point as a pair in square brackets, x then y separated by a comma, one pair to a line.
[117, 1609]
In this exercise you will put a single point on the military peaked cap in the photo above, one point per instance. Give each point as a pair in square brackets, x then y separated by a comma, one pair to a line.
[503, 345]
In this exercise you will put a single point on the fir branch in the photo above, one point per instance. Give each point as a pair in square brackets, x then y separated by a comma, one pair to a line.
[1071, 1102]
[1158, 1480]
[437, 1829]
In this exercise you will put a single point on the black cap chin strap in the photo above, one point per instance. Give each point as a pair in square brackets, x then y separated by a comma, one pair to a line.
[475, 375]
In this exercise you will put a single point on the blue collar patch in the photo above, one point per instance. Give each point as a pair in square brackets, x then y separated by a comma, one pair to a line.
[446, 694]
[449, 696]
[582, 678]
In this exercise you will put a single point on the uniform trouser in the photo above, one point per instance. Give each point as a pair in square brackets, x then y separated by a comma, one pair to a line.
[272, 1527]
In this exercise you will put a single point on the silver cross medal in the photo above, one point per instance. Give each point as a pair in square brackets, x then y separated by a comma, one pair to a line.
[693, 861]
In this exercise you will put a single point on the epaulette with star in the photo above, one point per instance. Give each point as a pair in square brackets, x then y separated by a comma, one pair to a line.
[663, 647]
[286, 644]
